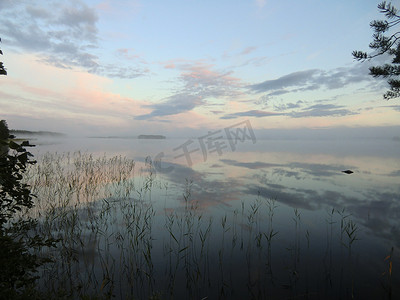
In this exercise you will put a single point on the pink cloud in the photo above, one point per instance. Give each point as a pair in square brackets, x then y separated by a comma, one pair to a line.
[127, 53]
[170, 66]
[202, 78]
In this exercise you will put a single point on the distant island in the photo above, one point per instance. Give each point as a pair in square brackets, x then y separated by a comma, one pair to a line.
[142, 136]
[151, 137]
[18, 132]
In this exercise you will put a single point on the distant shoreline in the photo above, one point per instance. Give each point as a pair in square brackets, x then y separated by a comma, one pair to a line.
[151, 137]
[18, 132]
[140, 137]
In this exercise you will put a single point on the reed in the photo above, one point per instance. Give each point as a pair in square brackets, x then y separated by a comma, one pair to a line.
[116, 240]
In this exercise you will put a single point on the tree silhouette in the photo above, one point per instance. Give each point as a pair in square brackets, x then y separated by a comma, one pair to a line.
[4, 131]
[386, 40]
[2, 68]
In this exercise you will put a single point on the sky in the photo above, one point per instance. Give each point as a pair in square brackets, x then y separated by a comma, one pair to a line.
[90, 67]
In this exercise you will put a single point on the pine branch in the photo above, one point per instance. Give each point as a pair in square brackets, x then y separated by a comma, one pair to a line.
[385, 71]
[388, 9]
[385, 44]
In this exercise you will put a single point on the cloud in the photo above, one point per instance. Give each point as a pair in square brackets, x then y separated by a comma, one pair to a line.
[290, 80]
[173, 105]
[122, 72]
[170, 66]
[286, 106]
[313, 79]
[395, 107]
[247, 50]
[322, 110]
[38, 12]
[217, 112]
[63, 35]
[394, 173]
[127, 53]
[199, 82]
[252, 113]
[79, 97]
[316, 110]
[80, 21]
[200, 78]
[56, 29]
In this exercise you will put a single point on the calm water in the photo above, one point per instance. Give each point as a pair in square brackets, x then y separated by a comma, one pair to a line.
[332, 233]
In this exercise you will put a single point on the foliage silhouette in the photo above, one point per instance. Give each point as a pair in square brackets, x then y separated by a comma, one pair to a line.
[14, 194]
[2, 68]
[18, 244]
[386, 40]
[4, 132]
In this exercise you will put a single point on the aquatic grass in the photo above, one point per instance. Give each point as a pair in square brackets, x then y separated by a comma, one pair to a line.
[297, 231]
[270, 233]
[387, 282]
[294, 250]
[330, 222]
[116, 243]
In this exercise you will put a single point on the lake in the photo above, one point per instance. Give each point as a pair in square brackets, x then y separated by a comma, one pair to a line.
[220, 218]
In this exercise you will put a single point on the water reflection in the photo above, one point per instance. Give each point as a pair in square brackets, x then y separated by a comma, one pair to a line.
[211, 225]
[303, 175]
